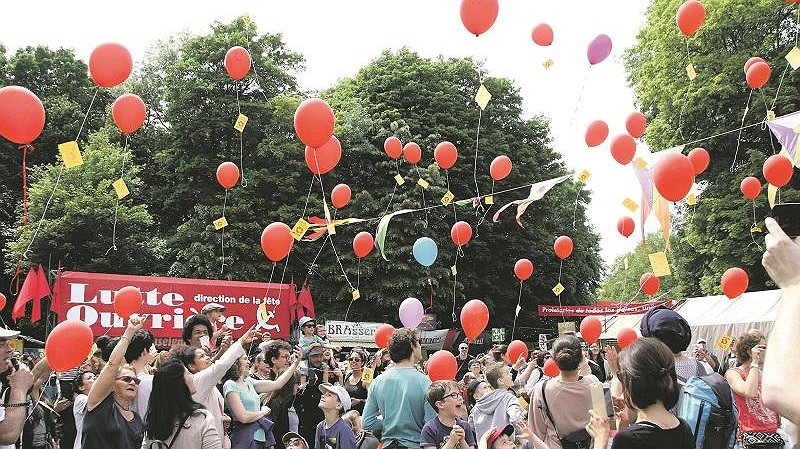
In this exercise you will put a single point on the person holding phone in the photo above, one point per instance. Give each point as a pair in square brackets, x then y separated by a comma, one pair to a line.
[17, 380]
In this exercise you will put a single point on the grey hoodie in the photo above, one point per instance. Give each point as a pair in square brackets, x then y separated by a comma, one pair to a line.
[497, 409]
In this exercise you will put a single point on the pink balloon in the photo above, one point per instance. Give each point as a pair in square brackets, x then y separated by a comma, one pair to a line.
[599, 49]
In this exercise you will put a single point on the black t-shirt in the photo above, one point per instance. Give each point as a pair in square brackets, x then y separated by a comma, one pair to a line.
[356, 391]
[463, 366]
[104, 427]
[646, 435]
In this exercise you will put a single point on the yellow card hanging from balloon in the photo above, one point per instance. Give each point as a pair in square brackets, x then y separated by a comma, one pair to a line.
[659, 264]
[423, 183]
[482, 97]
[299, 229]
[547, 64]
[398, 178]
[489, 200]
[641, 163]
[448, 198]
[770, 115]
[356, 294]
[584, 176]
[772, 192]
[691, 199]
[756, 229]
[558, 289]
[241, 122]
[690, 72]
[220, 223]
[121, 188]
[794, 57]
[454, 270]
[366, 375]
[630, 205]
[724, 342]
[70, 154]
[246, 19]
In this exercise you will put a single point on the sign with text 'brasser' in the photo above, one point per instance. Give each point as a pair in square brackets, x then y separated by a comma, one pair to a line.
[364, 333]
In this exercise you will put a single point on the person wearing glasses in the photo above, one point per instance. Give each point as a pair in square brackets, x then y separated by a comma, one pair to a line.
[464, 360]
[294, 441]
[353, 383]
[308, 337]
[447, 430]
[111, 419]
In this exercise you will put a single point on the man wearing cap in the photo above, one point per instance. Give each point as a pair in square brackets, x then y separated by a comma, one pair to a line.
[672, 329]
[463, 358]
[333, 432]
[307, 403]
[213, 312]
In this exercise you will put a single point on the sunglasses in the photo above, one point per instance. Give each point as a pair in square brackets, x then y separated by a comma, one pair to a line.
[129, 379]
[355, 359]
[294, 442]
[309, 325]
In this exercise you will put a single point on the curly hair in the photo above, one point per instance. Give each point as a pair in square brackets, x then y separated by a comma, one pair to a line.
[745, 343]
[402, 343]
[191, 322]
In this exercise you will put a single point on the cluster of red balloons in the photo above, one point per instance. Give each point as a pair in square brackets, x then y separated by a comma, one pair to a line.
[734, 282]
[474, 318]
[227, 175]
[591, 328]
[563, 247]
[626, 226]
[649, 284]
[757, 72]
[276, 241]
[500, 168]
[523, 269]
[363, 244]
[690, 17]
[673, 176]
[478, 15]
[461, 233]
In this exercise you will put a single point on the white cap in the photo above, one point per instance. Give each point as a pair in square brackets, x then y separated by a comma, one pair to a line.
[338, 390]
[305, 320]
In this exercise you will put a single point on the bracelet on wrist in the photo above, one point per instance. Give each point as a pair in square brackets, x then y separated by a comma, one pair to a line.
[755, 367]
[18, 404]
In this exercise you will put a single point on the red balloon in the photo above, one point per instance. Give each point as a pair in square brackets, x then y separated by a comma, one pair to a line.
[626, 226]
[591, 329]
[474, 318]
[314, 122]
[636, 124]
[363, 244]
[227, 175]
[596, 133]
[445, 155]
[778, 170]
[325, 158]
[700, 159]
[623, 148]
[412, 153]
[2, 301]
[128, 112]
[542, 34]
[383, 334]
[750, 187]
[563, 247]
[673, 176]
[127, 301]
[276, 241]
[110, 64]
[734, 282]
[758, 74]
[393, 147]
[690, 17]
[68, 345]
[21, 115]
[442, 365]
[237, 62]
[649, 284]
[551, 368]
[516, 349]
[500, 168]
[340, 196]
[461, 233]
[752, 61]
[523, 269]
[626, 336]
[478, 15]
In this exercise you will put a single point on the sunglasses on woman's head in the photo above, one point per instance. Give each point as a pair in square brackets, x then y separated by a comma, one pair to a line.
[129, 379]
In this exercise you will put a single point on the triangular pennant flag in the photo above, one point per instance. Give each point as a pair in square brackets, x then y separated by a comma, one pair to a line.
[25, 295]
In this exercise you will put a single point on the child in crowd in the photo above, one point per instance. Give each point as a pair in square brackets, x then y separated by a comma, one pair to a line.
[364, 439]
[503, 438]
[293, 440]
[446, 430]
[498, 407]
[333, 432]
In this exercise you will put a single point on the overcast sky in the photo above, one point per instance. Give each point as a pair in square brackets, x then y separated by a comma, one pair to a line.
[339, 37]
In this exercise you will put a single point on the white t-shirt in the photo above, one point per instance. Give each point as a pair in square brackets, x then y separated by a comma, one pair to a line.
[79, 410]
[143, 394]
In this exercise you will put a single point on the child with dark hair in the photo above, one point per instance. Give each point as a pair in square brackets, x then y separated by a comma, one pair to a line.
[447, 430]
[647, 373]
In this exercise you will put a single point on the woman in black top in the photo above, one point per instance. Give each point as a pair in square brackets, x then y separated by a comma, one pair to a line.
[111, 420]
[353, 384]
[647, 372]
[282, 412]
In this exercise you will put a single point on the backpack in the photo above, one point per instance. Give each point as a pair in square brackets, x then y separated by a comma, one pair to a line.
[706, 404]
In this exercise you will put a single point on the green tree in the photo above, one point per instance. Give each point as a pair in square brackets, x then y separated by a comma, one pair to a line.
[681, 111]
[622, 284]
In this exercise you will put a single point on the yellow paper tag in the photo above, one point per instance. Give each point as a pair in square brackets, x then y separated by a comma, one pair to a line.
[299, 229]
[398, 178]
[246, 19]
[625, 262]
[630, 204]
[558, 289]
[241, 122]
[724, 342]
[691, 72]
[482, 97]
[659, 264]
[423, 183]
[121, 188]
[523, 403]
[454, 270]
[220, 223]
[448, 198]
[772, 192]
[770, 115]
[641, 163]
[584, 176]
[70, 154]
[691, 199]
[356, 294]
[489, 199]
[794, 57]
[366, 375]
[755, 229]
[549, 63]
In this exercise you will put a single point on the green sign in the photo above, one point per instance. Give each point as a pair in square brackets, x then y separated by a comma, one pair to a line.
[498, 335]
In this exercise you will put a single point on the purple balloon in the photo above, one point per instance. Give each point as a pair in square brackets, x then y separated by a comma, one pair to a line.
[411, 312]
[599, 49]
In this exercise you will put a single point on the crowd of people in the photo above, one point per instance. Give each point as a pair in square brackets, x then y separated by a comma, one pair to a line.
[254, 392]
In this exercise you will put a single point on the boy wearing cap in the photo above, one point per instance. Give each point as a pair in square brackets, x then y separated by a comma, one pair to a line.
[292, 440]
[333, 432]
[446, 431]
[503, 438]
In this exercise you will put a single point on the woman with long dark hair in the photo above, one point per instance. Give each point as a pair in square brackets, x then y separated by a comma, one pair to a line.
[173, 419]
[353, 384]
[282, 411]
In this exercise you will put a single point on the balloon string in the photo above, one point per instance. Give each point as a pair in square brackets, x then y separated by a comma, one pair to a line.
[688, 91]
[311, 266]
[455, 281]
[430, 291]
[86, 116]
[485, 212]
[739, 139]
[752, 234]
[624, 279]
[575, 208]
[25, 149]
[447, 179]
[391, 197]
[475, 162]
[563, 317]
[780, 83]
[116, 205]
[422, 190]
[516, 311]
[241, 139]
[224, 205]
[580, 96]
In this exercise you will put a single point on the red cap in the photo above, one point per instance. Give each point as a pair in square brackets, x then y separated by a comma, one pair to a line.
[507, 430]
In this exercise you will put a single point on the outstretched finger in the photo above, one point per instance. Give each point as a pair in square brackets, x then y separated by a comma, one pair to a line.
[774, 228]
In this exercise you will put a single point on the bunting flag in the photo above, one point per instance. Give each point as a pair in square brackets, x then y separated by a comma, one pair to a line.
[305, 301]
[538, 190]
[383, 227]
[661, 212]
[292, 303]
[34, 288]
[319, 226]
[42, 291]
[785, 129]
[646, 183]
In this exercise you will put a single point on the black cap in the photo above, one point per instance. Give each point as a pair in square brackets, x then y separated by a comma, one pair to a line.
[668, 326]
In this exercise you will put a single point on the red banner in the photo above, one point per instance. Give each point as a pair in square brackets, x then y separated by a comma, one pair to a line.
[168, 302]
[602, 309]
